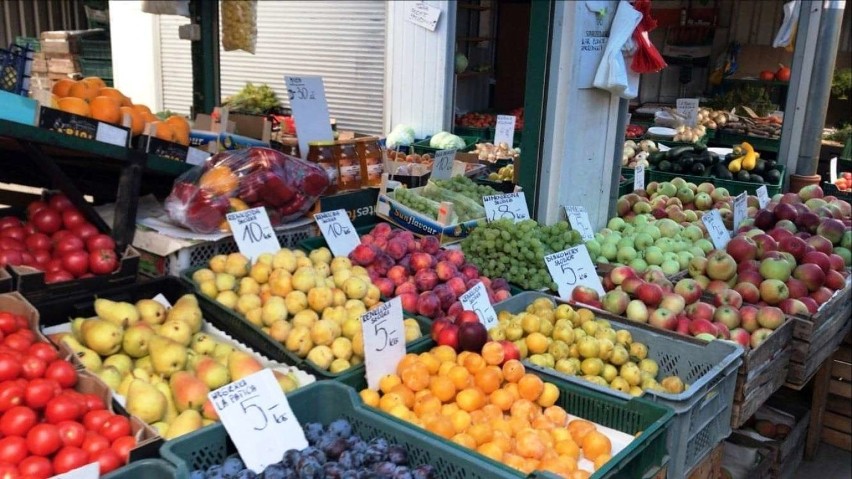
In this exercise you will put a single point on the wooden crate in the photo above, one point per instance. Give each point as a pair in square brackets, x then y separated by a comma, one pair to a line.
[764, 371]
[837, 419]
[711, 466]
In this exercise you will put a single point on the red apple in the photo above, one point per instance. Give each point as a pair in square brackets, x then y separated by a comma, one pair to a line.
[663, 318]
[750, 265]
[438, 325]
[818, 258]
[727, 315]
[837, 262]
[742, 248]
[722, 331]
[700, 310]
[721, 266]
[683, 325]
[650, 294]
[793, 306]
[822, 295]
[749, 292]
[810, 274]
[510, 350]
[779, 234]
[716, 286]
[727, 297]
[793, 245]
[698, 326]
[765, 244]
[797, 288]
[631, 284]
[741, 336]
[832, 230]
[759, 336]
[834, 280]
[689, 289]
[748, 318]
[673, 302]
[770, 317]
[810, 303]
[585, 294]
[620, 273]
[775, 268]
[615, 301]
[637, 311]
[752, 277]
[773, 291]
[820, 244]
[449, 336]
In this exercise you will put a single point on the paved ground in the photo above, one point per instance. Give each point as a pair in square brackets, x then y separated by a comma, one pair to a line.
[830, 463]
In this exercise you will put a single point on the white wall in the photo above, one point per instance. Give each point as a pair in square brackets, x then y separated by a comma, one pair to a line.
[136, 52]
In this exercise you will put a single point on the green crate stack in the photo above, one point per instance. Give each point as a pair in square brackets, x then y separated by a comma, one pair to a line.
[32, 42]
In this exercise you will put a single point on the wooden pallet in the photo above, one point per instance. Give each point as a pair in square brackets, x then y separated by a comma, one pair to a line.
[711, 466]
[837, 420]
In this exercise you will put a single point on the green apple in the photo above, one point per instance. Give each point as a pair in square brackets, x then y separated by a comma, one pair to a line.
[693, 233]
[638, 264]
[626, 254]
[654, 255]
[609, 251]
[642, 240]
[705, 245]
[670, 267]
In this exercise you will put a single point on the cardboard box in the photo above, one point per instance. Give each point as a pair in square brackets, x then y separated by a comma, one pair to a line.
[62, 65]
[420, 224]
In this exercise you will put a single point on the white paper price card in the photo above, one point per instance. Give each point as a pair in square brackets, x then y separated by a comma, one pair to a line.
[113, 135]
[639, 178]
[476, 299]
[740, 209]
[504, 130]
[384, 340]
[832, 170]
[259, 419]
[762, 196]
[578, 218]
[89, 471]
[571, 268]
[162, 300]
[337, 229]
[442, 164]
[426, 16]
[194, 156]
[688, 108]
[511, 206]
[310, 110]
[253, 232]
[716, 228]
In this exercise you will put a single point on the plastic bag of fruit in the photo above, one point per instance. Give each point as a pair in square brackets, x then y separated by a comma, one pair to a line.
[239, 25]
[241, 179]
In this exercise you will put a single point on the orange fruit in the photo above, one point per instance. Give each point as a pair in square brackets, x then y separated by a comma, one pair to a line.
[415, 376]
[83, 90]
[530, 387]
[528, 444]
[441, 426]
[460, 357]
[431, 362]
[442, 387]
[111, 92]
[523, 408]
[470, 399]
[513, 460]
[559, 433]
[568, 447]
[445, 367]
[512, 388]
[181, 129]
[406, 361]
[536, 343]
[493, 353]
[137, 122]
[62, 87]
[491, 450]
[461, 421]
[444, 353]
[447, 409]
[557, 415]
[580, 474]
[460, 377]
[488, 379]
[579, 428]
[502, 439]
[465, 440]
[491, 411]
[542, 423]
[370, 397]
[163, 131]
[388, 381]
[554, 465]
[549, 395]
[74, 105]
[513, 370]
[481, 432]
[427, 404]
[518, 424]
[473, 363]
[106, 109]
[530, 465]
[601, 460]
[596, 444]
[502, 398]
[142, 109]
[407, 394]
[96, 82]
[388, 401]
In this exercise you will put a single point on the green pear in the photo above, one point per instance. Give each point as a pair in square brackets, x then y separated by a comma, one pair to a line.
[202, 343]
[102, 337]
[76, 328]
[242, 364]
[118, 312]
[88, 358]
[110, 376]
[186, 422]
[167, 356]
[288, 382]
[121, 362]
[186, 309]
[222, 352]
[171, 409]
[161, 427]
[189, 391]
[177, 331]
[145, 401]
[151, 312]
[136, 339]
[145, 364]
[212, 373]
[124, 386]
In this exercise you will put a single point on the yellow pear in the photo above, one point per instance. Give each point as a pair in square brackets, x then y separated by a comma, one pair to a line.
[110, 376]
[76, 328]
[284, 259]
[178, 331]
[248, 286]
[274, 310]
[161, 427]
[186, 309]
[144, 363]
[102, 337]
[217, 263]
[242, 364]
[124, 386]
[88, 358]
[280, 282]
[202, 275]
[223, 352]
[288, 382]
[212, 373]
[209, 289]
[151, 312]
[186, 422]
[227, 299]
[324, 332]
[119, 312]
[260, 273]
[264, 258]
[188, 391]
[237, 264]
[279, 330]
[121, 362]
[254, 316]
[145, 401]
[171, 410]
[248, 302]
[208, 412]
[137, 339]
[322, 356]
[167, 356]
[202, 343]
[299, 341]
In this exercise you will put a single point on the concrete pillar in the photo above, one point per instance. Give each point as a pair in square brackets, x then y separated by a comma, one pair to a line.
[135, 39]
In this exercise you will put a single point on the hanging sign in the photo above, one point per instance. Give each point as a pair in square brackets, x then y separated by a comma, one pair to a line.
[578, 218]
[639, 178]
[423, 15]
[762, 196]
[442, 164]
[719, 235]
[740, 209]
[504, 130]
[310, 110]
[688, 108]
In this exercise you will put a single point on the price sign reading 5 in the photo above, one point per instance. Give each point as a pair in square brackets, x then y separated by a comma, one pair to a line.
[384, 340]
[716, 228]
[571, 268]
[476, 299]
[253, 232]
[511, 206]
[337, 229]
[258, 419]
[578, 218]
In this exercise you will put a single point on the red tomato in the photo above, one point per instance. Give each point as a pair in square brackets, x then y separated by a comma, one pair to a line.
[10, 257]
[72, 218]
[14, 232]
[63, 372]
[18, 342]
[43, 439]
[115, 427]
[93, 402]
[13, 449]
[35, 207]
[36, 467]
[78, 398]
[12, 244]
[68, 244]
[60, 202]
[27, 259]
[72, 433]
[10, 367]
[108, 460]
[57, 276]
[24, 324]
[69, 458]
[11, 395]
[39, 392]
[47, 220]
[43, 351]
[55, 264]
[17, 421]
[33, 367]
[94, 420]
[8, 323]
[85, 231]
[41, 257]
[59, 236]
[123, 446]
[76, 262]
[9, 471]
[100, 241]
[8, 221]
[103, 261]
[62, 408]
[94, 442]
[30, 229]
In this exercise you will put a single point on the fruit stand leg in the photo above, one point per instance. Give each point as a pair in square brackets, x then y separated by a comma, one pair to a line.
[818, 401]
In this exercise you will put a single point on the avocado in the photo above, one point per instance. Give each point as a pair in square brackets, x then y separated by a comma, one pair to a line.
[771, 165]
[721, 171]
[760, 166]
[677, 167]
[773, 177]
[656, 157]
[757, 179]
[698, 169]
[686, 162]
[743, 175]
[665, 165]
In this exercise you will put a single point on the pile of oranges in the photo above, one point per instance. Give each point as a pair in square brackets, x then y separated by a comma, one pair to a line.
[90, 97]
[504, 413]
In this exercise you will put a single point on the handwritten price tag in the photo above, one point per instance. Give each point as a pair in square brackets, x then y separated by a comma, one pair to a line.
[512, 206]
[476, 299]
[762, 196]
[113, 135]
[639, 178]
[89, 471]
[337, 229]
[384, 340]
[571, 268]
[578, 218]
[258, 418]
[442, 165]
[253, 232]
[688, 108]
[423, 15]
[310, 110]
[504, 130]
[716, 228]
[740, 209]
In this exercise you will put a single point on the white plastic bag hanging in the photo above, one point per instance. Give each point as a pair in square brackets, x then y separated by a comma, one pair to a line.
[786, 34]
[166, 7]
[613, 74]
[239, 25]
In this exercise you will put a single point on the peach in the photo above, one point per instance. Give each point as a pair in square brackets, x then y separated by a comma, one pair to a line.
[397, 274]
[457, 284]
[445, 270]
[409, 301]
[420, 261]
[428, 304]
[430, 245]
[425, 279]
[363, 255]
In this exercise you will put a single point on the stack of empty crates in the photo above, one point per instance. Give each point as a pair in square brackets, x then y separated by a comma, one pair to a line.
[56, 58]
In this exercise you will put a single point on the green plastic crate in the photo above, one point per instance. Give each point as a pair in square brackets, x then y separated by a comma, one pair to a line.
[642, 459]
[702, 413]
[96, 68]
[736, 187]
[660, 176]
[471, 131]
[32, 42]
[422, 146]
[760, 144]
[96, 49]
[144, 469]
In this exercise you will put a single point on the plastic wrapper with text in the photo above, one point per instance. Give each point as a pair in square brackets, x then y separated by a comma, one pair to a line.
[237, 180]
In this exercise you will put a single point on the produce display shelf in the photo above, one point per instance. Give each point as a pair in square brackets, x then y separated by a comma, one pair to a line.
[768, 145]
[422, 147]
[644, 457]
[144, 469]
[702, 413]
[734, 187]
[471, 131]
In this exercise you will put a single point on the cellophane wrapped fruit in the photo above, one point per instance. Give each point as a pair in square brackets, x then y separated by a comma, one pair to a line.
[239, 25]
[241, 179]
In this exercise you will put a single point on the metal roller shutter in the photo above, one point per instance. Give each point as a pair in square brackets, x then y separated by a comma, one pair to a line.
[343, 43]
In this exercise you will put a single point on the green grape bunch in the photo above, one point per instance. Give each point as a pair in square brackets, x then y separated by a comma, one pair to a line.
[467, 187]
[416, 202]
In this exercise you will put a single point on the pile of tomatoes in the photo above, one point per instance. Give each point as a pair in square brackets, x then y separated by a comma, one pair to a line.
[56, 239]
[844, 182]
[47, 427]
